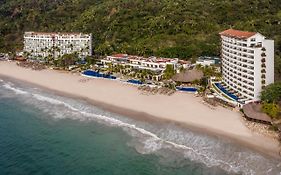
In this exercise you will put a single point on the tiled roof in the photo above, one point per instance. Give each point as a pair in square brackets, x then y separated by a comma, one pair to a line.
[120, 55]
[237, 34]
[253, 111]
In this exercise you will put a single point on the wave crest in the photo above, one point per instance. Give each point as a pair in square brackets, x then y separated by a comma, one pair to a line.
[149, 142]
[17, 91]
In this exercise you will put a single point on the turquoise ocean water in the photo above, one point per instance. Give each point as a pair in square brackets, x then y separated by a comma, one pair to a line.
[43, 133]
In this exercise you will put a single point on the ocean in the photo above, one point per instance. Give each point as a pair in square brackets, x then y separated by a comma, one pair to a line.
[45, 133]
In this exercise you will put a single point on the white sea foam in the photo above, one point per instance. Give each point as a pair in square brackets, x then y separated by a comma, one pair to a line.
[17, 91]
[152, 143]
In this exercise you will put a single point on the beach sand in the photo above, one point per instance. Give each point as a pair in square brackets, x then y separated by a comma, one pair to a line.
[182, 108]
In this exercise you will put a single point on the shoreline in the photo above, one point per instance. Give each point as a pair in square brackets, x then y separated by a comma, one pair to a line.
[236, 134]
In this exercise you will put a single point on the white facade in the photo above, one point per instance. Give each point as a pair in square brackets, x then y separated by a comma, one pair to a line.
[151, 63]
[205, 62]
[247, 63]
[4, 56]
[40, 45]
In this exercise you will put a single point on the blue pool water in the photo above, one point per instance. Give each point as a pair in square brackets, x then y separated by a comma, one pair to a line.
[186, 89]
[218, 85]
[138, 82]
[97, 74]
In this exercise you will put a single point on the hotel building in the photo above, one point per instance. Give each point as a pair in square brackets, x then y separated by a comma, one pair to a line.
[151, 63]
[247, 63]
[40, 45]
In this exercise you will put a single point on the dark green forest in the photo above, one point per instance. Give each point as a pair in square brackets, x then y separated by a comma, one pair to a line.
[169, 28]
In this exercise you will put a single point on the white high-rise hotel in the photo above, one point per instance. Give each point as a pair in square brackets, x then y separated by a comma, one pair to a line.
[40, 44]
[247, 63]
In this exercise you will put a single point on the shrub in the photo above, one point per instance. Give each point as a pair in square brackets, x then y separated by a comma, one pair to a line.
[272, 93]
[271, 109]
[169, 72]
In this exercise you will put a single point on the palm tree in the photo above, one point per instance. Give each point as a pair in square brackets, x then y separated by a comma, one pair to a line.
[26, 54]
[144, 74]
[110, 67]
[71, 47]
[198, 66]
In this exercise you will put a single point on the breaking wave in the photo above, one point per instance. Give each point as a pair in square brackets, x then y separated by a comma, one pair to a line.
[17, 91]
[171, 143]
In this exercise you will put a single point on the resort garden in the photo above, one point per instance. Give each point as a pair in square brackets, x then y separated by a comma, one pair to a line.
[271, 100]
[193, 78]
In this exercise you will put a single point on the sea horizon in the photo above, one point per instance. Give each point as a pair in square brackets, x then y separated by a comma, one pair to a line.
[157, 148]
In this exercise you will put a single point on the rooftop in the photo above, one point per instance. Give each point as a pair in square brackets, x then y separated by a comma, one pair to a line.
[120, 55]
[237, 34]
[188, 76]
[150, 59]
[55, 33]
[253, 111]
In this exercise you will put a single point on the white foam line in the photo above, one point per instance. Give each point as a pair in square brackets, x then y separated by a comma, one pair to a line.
[17, 91]
[119, 123]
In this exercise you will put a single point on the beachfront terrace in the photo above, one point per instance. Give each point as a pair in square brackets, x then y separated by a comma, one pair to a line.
[228, 93]
[142, 63]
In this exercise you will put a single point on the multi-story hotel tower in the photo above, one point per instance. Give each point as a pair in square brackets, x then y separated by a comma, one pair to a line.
[40, 44]
[247, 63]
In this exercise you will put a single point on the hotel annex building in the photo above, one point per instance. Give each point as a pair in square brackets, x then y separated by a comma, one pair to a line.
[247, 63]
[40, 44]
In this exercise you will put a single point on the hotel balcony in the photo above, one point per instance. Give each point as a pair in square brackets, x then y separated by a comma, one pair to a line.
[243, 92]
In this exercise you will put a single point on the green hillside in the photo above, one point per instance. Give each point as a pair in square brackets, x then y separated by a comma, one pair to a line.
[170, 28]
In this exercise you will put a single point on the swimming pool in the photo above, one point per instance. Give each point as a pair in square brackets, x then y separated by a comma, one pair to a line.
[186, 89]
[138, 82]
[97, 74]
[218, 85]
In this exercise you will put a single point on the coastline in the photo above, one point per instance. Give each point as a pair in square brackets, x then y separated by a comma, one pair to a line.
[182, 109]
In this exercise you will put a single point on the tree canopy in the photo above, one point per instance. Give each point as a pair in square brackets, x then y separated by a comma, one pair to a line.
[67, 60]
[271, 109]
[272, 93]
[169, 72]
[178, 28]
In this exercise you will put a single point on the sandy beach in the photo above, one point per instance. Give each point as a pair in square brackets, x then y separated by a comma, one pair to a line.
[126, 99]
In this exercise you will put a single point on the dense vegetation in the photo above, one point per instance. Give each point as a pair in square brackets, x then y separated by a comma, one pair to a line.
[178, 28]
[271, 97]
[272, 93]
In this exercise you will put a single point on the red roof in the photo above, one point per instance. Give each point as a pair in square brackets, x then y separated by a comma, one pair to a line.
[237, 34]
[120, 55]
[20, 58]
